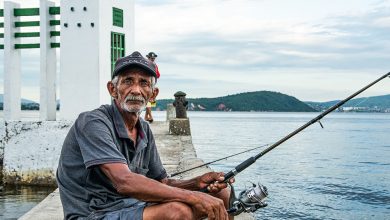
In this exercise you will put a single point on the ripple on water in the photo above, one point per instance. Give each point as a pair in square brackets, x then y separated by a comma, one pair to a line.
[355, 193]
[374, 163]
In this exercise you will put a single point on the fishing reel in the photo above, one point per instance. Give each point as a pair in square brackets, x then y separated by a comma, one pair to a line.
[248, 200]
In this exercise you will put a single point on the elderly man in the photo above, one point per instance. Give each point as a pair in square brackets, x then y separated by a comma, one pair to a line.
[109, 166]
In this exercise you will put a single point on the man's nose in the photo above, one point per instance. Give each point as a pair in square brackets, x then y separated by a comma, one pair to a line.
[136, 89]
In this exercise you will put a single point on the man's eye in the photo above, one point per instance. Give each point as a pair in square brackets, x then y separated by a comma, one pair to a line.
[144, 83]
[128, 81]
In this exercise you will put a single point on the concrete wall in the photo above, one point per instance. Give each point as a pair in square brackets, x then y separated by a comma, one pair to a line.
[32, 150]
[2, 135]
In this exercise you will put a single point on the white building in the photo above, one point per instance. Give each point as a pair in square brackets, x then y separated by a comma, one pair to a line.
[91, 35]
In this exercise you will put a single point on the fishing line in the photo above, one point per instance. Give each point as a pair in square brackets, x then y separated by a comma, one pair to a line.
[242, 166]
[211, 162]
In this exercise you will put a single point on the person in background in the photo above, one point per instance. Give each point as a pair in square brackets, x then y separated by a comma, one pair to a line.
[148, 112]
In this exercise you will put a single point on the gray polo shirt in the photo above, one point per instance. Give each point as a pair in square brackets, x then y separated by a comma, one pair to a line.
[99, 137]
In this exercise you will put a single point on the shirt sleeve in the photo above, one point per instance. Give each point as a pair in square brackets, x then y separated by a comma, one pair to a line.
[156, 168]
[97, 144]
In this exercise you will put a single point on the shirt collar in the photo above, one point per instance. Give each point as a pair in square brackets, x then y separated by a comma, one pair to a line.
[120, 124]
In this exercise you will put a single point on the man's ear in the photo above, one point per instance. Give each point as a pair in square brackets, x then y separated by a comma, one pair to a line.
[112, 90]
[154, 95]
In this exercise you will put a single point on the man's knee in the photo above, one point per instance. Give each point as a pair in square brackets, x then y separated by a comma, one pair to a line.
[178, 210]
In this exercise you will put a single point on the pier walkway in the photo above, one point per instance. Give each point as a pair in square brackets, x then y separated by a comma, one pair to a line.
[177, 153]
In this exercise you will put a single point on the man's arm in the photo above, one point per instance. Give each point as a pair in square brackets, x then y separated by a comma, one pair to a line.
[206, 180]
[145, 189]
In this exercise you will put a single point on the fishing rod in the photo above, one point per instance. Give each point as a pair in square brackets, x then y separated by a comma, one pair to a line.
[211, 162]
[252, 199]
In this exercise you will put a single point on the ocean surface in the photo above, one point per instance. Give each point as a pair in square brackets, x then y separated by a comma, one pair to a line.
[17, 200]
[339, 172]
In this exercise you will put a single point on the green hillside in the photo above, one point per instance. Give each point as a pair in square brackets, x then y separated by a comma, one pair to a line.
[381, 102]
[249, 101]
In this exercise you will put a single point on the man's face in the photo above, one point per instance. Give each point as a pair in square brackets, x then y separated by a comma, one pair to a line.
[152, 58]
[133, 90]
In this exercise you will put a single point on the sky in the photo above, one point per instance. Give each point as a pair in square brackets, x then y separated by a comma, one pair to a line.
[316, 50]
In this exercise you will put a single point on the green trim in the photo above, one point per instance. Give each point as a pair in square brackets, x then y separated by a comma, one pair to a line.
[54, 10]
[1, 35]
[117, 48]
[26, 23]
[55, 45]
[54, 22]
[27, 34]
[26, 11]
[1, 12]
[117, 17]
[1, 46]
[1, 24]
[26, 46]
[54, 33]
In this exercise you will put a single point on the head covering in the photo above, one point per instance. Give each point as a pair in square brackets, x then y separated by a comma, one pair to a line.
[134, 60]
[151, 55]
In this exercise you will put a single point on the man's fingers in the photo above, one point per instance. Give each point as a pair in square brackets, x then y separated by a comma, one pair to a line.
[219, 209]
[217, 213]
[221, 177]
[218, 186]
[211, 216]
[222, 210]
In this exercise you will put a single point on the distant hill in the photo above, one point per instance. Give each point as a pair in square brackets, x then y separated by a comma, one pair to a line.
[22, 100]
[25, 104]
[249, 101]
[381, 102]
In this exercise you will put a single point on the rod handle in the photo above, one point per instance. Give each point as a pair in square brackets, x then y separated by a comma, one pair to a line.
[204, 190]
[227, 177]
[240, 167]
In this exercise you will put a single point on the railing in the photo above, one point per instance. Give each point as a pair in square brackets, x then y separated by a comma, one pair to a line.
[1, 26]
[21, 12]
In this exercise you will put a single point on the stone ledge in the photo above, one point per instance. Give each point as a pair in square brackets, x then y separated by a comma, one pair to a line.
[51, 209]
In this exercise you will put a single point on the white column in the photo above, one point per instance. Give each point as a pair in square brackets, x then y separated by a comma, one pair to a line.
[47, 102]
[12, 70]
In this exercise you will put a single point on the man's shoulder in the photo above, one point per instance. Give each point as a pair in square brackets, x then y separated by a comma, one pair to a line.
[103, 114]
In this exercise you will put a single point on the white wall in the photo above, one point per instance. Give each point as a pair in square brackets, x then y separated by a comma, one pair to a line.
[86, 52]
[32, 151]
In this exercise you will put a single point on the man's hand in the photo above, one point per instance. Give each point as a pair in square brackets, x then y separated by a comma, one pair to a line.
[213, 181]
[209, 206]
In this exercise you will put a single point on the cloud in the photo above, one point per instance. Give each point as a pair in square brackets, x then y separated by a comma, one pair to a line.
[219, 47]
[228, 34]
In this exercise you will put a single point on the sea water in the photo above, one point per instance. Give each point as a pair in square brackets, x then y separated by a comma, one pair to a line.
[339, 172]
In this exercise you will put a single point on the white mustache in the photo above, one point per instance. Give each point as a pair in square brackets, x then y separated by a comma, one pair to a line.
[134, 98]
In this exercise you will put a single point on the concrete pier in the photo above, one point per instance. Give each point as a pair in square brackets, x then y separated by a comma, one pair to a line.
[177, 153]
